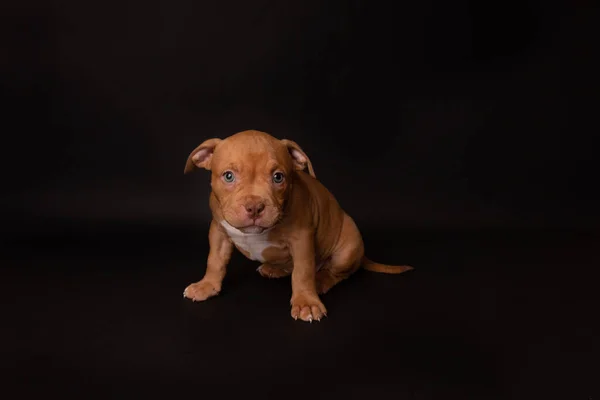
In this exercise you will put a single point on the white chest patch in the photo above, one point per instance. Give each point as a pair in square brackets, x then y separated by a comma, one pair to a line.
[252, 243]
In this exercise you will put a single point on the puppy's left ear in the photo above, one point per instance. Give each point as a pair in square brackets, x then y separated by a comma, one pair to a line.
[201, 156]
[299, 157]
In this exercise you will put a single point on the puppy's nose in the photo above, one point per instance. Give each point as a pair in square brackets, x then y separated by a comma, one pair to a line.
[254, 208]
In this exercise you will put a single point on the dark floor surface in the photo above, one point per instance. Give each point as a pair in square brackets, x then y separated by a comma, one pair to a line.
[486, 314]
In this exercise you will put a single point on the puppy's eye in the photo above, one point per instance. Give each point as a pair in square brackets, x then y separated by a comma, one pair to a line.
[228, 176]
[278, 177]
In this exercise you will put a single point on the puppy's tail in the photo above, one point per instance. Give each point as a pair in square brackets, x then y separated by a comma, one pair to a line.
[383, 268]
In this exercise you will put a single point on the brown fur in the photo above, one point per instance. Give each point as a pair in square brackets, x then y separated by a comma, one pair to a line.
[312, 238]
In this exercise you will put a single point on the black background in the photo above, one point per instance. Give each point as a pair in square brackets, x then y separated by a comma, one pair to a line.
[457, 134]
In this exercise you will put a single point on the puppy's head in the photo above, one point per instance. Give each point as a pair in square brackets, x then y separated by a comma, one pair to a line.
[251, 176]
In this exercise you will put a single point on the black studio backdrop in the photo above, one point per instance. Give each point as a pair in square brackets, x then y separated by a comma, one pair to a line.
[415, 114]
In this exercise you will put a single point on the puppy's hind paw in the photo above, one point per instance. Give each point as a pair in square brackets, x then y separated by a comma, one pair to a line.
[270, 271]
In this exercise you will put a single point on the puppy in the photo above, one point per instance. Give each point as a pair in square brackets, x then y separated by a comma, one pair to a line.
[264, 204]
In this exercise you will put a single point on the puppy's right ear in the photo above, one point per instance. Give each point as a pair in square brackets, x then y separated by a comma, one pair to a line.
[201, 156]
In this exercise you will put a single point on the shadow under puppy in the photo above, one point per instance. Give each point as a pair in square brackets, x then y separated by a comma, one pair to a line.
[265, 205]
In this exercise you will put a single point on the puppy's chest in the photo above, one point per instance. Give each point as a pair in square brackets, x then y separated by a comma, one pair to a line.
[257, 247]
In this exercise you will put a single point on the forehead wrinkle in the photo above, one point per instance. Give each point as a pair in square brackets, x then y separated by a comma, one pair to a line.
[272, 164]
[258, 162]
[232, 166]
[251, 152]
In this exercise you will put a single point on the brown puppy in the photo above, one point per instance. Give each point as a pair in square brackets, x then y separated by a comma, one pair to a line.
[269, 209]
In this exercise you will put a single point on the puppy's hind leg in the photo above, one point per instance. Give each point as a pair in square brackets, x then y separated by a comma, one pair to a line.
[345, 260]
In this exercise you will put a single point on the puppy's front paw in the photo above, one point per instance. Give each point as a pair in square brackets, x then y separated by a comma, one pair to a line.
[307, 307]
[200, 291]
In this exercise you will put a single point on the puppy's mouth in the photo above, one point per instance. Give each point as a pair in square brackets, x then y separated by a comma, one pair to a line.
[253, 226]
[253, 229]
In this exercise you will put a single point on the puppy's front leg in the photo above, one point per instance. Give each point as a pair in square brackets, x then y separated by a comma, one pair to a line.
[305, 301]
[216, 267]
